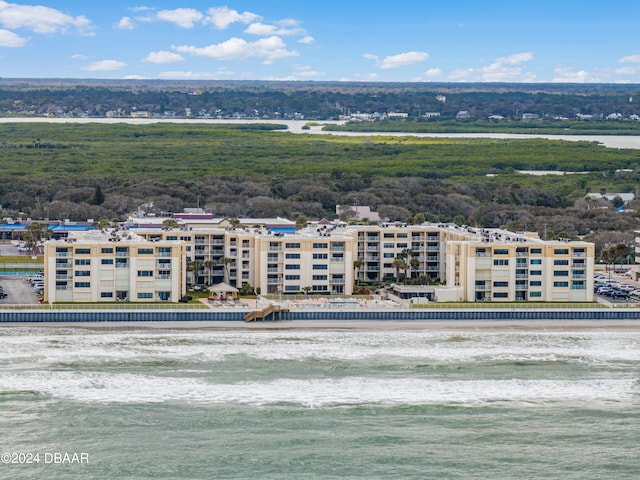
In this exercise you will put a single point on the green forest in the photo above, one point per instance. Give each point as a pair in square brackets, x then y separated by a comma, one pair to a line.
[79, 171]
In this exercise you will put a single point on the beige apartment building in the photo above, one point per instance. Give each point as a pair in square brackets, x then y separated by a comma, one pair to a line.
[118, 266]
[471, 264]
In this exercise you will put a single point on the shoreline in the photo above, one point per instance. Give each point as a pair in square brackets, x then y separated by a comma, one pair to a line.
[348, 325]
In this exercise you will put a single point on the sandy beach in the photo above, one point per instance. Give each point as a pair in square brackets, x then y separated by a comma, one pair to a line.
[361, 325]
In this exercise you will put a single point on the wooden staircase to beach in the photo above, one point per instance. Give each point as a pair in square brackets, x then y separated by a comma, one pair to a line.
[272, 311]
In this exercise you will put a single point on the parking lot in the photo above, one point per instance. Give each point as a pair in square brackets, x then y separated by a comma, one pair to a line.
[18, 290]
[622, 280]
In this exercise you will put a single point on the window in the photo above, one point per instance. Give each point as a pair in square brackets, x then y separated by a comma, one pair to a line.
[500, 295]
[291, 255]
[561, 251]
[82, 261]
[402, 245]
[388, 235]
[389, 255]
[83, 273]
[501, 262]
[319, 288]
[320, 245]
[293, 266]
[319, 277]
[164, 295]
[320, 256]
[292, 277]
[561, 273]
[107, 261]
[145, 273]
[172, 237]
[320, 266]
[560, 284]
[106, 294]
[535, 272]
[61, 249]
[535, 294]
[83, 251]
[561, 262]
[145, 295]
[291, 245]
[501, 251]
[388, 245]
[536, 261]
[82, 284]
[402, 235]
[536, 251]
[500, 284]
[106, 250]
[292, 288]
[145, 251]
[535, 283]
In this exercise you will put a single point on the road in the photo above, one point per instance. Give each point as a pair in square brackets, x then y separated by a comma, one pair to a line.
[18, 290]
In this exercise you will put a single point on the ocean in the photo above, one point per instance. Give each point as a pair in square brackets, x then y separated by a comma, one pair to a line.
[319, 404]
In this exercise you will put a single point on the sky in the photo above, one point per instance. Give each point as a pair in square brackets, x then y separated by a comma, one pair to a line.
[539, 41]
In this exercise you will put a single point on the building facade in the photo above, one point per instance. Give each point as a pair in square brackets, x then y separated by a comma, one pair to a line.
[101, 267]
[153, 263]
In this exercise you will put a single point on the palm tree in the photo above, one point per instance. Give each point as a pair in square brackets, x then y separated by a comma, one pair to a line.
[208, 265]
[225, 261]
[399, 264]
[357, 265]
[194, 266]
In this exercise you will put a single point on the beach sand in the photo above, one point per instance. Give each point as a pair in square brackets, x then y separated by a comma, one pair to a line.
[361, 325]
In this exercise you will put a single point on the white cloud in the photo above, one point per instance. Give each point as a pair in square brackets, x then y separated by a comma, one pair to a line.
[139, 9]
[10, 39]
[433, 72]
[307, 40]
[41, 19]
[163, 57]
[188, 75]
[134, 77]
[461, 73]
[79, 56]
[400, 60]
[183, 17]
[125, 23]
[264, 30]
[105, 66]
[503, 69]
[516, 58]
[630, 59]
[568, 75]
[222, 17]
[271, 48]
[627, 70]
[365, 76]
[304, 71]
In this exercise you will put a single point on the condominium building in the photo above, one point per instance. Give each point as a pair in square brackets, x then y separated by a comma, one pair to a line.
[496, 265]
[118, 266]
[470, 264]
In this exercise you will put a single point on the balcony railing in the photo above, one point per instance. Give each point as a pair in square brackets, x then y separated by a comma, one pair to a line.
[579, 254]
[64, 255]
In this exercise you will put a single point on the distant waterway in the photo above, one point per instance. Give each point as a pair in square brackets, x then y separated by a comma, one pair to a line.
[295, 126]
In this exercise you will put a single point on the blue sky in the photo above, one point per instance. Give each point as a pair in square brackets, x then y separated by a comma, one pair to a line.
[327, 40]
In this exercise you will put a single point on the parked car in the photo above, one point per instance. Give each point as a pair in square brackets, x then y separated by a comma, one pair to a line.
[617, 294]
[605, 291]
[626, 288]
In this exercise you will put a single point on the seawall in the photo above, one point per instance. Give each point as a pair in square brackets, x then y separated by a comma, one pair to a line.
[70, 316]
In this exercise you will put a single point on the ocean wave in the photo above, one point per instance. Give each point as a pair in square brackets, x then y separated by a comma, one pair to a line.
[319, 392]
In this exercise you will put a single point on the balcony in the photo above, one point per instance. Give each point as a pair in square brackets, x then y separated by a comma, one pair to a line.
[64, 277]
[63, 266]
[275, 248]
[163, 266]
[522, 254]
[483, 288]
[164, 276]
[579, 276]
[578, 265]
[336, 249]
[335, 281]
[433, 249]
[522, 275]
[64, 255]
[274, 270]
[122, 265]
[274, 281]
[578, 254]
[483, 254]
[122, 254]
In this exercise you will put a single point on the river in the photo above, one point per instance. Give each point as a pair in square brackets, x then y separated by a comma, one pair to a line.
[295, 126]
